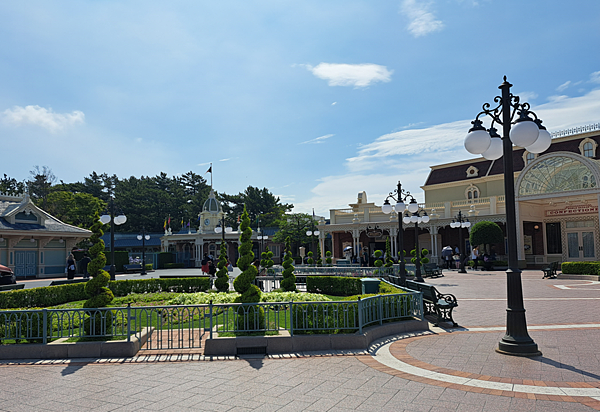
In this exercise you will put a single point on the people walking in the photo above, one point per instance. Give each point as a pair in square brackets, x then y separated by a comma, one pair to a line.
[71, 268]
[84, 265]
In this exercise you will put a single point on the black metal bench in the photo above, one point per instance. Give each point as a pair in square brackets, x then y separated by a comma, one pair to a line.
[132, 268]
[432, 270]
[12, 286]
[550, 270]
[435, 304]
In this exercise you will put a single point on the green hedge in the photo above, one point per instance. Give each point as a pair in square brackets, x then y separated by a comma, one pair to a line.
[121, 258]
[580, 268]
[173, 265]
[164, 258]
[57, 295]
[334, 285]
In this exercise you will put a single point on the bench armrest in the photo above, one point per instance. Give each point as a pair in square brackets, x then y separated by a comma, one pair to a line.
[448, 298]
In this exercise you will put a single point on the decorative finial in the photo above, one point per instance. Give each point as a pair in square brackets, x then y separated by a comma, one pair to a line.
[504, 78]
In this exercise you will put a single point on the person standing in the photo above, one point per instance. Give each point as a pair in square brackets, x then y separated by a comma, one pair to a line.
[84, 266]
[71, 269]
[475, 256]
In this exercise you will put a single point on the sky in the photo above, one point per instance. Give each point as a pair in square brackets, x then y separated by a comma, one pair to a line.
[314, 100]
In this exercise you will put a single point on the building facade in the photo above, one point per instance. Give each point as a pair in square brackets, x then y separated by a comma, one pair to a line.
[557, 197]
[192, 244]
[32, 242]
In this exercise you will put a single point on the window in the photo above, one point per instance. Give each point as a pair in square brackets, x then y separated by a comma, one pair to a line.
[553, 241]
[587, 148]
[528, 157]
[557, 174]
[472, 192]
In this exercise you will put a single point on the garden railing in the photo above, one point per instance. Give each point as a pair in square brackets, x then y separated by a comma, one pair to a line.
[185, 326]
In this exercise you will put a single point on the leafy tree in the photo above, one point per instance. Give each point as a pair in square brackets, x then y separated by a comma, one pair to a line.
[485, 233]
[388, 254]
[97, 287]
[243, 284]
[260, 203]
[294, 226]
[10, 186]
[77, 209]
[40, 184]
[222, 281]
[288, 283]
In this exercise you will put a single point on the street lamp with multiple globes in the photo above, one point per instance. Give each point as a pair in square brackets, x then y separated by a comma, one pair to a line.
[400, 196]
[219, 229]
[113, 220]
[417, 217]
[460, 222]
[529, 133]
[312, 232]
[143, 237]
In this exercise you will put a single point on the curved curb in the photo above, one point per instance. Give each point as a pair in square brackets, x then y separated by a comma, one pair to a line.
[390, 356]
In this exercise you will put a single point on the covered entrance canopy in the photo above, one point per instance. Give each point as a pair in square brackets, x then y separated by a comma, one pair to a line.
[558, 197]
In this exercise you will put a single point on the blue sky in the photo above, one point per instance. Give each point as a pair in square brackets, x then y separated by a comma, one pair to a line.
[314, 100]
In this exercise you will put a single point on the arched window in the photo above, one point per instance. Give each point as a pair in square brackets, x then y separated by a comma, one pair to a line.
[528, 157]
[557, 174]
[472, 192]
[587, 148]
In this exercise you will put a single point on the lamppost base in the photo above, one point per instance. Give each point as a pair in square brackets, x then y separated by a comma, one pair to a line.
[518, 349]
[462, 270]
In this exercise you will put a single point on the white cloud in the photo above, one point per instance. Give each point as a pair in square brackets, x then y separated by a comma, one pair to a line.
[408, 154]
[422, 21]
[527, 96]
[42, 117]
[357, 75]
[563, 86]
[595, 77]
[318, 140]
[334, 103]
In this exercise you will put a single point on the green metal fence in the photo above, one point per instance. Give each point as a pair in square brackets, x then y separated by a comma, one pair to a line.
[185, 326]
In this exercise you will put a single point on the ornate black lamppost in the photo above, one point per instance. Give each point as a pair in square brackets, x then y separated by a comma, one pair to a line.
[530, 134]
[459, 223]
[113, 220]
[417, 217]
[143, 237]
[222, 229]
[312, 232]
[400, 196]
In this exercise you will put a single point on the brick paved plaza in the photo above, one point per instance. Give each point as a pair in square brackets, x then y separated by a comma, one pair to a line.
[445, 370]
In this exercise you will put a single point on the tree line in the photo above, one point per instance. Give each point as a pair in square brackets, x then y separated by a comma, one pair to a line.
[147, 201]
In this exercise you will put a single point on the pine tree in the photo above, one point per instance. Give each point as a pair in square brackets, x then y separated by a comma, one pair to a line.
[388, 254]
[319, 258]
[97, 287]
[288, 283]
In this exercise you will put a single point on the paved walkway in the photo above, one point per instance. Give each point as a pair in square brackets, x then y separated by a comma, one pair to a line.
[449, 370]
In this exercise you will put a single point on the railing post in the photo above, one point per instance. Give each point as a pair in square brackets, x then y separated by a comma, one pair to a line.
[129, 322]
[291, 318]
[360, 315]
[380, 310]
[210, 316]
[45, 325]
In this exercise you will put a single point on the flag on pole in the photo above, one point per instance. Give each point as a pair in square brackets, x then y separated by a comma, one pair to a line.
[165, 225]
[188, 225]
[238, 219]
[209, 170]
[181, 222]
[169, 221]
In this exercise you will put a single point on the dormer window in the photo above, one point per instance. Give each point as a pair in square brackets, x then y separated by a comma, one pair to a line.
[472, 171]
[587, 148]
[528, 157]
[26, 217]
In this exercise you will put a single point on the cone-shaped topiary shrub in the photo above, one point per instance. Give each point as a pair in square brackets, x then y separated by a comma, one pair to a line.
[97, 287]
[267, 259]
[288, 283]
[222, 281]
[388, 254]
[319, 258]
[249, 318]
[328, 257]
[378, 263]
